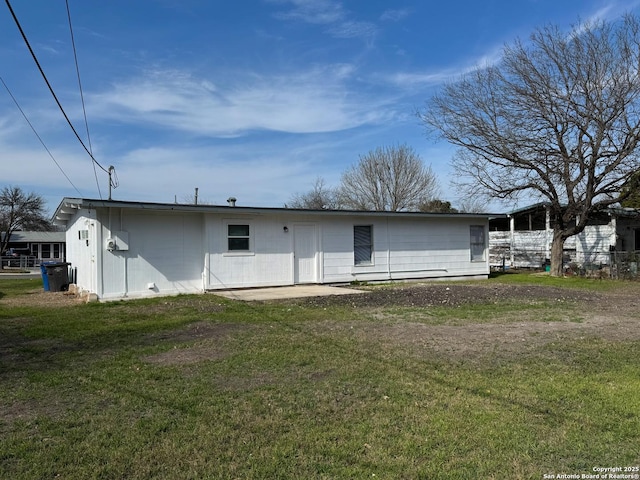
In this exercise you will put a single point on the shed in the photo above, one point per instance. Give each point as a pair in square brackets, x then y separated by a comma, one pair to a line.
[123, 249]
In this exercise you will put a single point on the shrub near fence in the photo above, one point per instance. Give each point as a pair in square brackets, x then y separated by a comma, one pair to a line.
[618, 265]
[624, 265]
[609, 264]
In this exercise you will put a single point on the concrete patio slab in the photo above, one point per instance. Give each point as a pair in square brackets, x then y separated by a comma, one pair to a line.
[276, 293]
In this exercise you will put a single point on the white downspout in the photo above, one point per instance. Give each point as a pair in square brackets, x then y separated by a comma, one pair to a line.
[388, 251]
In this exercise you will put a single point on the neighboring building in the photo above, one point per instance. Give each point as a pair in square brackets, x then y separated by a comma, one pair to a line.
[524, 237]
[37, 247]
[129, 249]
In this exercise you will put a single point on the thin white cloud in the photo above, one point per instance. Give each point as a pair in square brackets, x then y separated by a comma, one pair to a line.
[395, 15]
[411, 80]
[326, 12]
[353, 30]
[320, 12]
[612, 10]
[318, 100]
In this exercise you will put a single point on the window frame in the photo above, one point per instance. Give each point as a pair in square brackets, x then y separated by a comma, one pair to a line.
[228, 237]
[473, 245]
[359, 246]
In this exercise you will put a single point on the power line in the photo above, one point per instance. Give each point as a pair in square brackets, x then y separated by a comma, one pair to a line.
[38, 136]
[84, 110]
[35, 59]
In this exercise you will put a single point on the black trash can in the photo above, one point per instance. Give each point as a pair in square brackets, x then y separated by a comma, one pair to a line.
[58, 276]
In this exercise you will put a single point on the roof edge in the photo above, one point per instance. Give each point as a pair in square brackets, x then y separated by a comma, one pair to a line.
[69, 205]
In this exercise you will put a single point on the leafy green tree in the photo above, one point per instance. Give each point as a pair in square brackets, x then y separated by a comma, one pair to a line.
[630, 193]
[437, 206]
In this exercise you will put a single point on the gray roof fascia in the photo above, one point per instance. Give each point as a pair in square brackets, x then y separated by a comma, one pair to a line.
[69, 205]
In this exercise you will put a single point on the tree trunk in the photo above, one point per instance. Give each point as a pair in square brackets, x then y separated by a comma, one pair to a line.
[557, 248]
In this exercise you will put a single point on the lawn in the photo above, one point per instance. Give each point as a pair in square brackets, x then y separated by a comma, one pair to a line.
[195, 387]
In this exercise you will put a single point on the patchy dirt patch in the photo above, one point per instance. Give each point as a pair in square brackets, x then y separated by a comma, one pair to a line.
[613, 316]
[472, 342]
[40, 298]
[430, 295]
[209, 344]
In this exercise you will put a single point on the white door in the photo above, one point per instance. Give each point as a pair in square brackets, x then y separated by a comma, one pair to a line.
[304, 252]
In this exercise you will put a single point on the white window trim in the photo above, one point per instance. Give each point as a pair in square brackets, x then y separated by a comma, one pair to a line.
[371, 261]
[225, 239]
[484, 244]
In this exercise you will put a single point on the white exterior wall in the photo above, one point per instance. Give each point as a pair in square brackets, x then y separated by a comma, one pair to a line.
[403, 248]
[156, 253]
[170, 252]
[592, 244]
[530, 248]
[82, 252]
[269, 261]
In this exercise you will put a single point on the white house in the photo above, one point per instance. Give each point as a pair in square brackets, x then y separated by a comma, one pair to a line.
[124, 249]
[35, 247]
[523, 237]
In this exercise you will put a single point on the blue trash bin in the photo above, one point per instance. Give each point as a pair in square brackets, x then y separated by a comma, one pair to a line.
[45, 277]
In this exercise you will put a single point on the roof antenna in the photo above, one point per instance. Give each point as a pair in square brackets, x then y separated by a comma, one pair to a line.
[231, 201]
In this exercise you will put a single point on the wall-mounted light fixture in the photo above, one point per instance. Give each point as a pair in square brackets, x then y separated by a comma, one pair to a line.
[285, 229]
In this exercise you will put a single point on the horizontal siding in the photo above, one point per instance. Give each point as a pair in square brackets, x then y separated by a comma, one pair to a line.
[269, 261]
[532, 248]
[592, 245]
[403, 249]
[165, 255]
[173, 252]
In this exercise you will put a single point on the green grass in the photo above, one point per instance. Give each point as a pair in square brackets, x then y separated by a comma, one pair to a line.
[545, 279]
[197, 387]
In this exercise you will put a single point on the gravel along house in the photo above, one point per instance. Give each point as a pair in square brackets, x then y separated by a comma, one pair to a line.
[120, 249]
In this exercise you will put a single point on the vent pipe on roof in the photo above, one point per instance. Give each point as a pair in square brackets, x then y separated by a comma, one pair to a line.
[231, 201]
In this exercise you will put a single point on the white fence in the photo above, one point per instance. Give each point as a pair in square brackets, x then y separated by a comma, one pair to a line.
[23, 261]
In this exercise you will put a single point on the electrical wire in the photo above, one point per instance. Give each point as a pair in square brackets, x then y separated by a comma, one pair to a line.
[38, 136]
[84, 110]
[35, 59]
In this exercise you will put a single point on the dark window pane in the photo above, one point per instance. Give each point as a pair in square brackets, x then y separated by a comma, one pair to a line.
[362, 244]
[238, 230]
[238, 244]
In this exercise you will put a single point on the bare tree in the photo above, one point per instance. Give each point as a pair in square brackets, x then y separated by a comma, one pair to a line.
[472, 205]
[20, 211]
[388, 178]
[321, 197]
[557, 118]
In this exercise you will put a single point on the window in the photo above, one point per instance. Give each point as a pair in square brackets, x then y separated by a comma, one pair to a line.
[362, 244]
[238, 237]
[477, 243]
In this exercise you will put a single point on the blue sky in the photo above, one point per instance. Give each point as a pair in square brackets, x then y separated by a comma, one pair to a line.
[253, 99]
